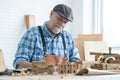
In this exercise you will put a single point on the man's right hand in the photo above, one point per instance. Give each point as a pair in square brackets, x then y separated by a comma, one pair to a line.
[24, 64]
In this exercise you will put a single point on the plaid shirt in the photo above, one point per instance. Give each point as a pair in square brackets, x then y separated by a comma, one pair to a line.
[31, 43]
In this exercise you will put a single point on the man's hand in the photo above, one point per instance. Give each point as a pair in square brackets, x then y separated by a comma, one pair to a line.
[24, 64]
[54, 60]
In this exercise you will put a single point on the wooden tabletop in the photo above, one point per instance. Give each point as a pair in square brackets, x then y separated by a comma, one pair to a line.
[93, 75]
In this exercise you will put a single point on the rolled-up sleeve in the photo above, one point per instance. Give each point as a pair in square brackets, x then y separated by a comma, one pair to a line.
[24, 49]
[71, 49]
[74, 55]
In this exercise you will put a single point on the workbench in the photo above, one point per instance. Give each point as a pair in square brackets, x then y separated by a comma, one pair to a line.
[63, 77]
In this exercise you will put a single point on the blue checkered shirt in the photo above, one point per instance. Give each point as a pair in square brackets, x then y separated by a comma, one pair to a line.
[31, 43]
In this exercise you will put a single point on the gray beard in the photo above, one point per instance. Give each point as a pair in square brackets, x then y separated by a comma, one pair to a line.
[56, 30]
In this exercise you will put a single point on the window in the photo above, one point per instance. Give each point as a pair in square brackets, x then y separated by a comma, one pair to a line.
[111, 23]
[102, 17]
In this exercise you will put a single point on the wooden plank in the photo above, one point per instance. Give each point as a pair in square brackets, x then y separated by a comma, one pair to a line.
[30, 21]
[2, 63]
[102, 72]
[79, 42]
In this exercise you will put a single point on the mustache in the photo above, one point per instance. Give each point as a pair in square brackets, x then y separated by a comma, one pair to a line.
[60, 26]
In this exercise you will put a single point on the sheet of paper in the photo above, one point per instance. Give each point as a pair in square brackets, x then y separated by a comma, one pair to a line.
[94, 46]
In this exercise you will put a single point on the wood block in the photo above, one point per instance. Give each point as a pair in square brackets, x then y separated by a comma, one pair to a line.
[113, 66]
[97, 66]
[79, 68]
[30, 21]
[88, 64]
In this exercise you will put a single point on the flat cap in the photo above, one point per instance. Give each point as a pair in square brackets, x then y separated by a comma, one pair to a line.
[64, 11]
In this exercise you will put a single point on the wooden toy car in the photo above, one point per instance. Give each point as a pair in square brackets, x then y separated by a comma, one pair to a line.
[41, 67]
